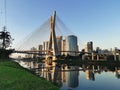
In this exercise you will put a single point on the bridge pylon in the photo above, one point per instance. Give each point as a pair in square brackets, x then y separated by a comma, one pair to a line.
[53, 48]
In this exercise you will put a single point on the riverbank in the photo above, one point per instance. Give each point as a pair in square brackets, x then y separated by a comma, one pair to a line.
[15, 77]
[79, 62]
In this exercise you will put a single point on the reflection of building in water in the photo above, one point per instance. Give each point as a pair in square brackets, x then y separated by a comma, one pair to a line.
[56, 75]
[63, 76]
[52, 73]
[90, 73]
[97, 70]
[72, 77]
[117, 71]
[46, 74]
[33, 64]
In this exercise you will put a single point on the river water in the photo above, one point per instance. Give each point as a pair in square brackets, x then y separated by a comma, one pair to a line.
[82, 77]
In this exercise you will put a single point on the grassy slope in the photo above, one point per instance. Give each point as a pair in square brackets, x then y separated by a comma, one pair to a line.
[14, 77]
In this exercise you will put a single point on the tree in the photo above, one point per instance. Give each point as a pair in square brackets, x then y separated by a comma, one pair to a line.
[5, 39]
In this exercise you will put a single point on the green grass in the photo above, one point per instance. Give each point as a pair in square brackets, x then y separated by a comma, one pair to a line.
[14, 77]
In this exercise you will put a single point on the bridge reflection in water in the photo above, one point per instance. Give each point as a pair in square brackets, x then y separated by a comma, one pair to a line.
[78, 77]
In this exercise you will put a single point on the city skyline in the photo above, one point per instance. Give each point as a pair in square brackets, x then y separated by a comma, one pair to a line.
[96, 21]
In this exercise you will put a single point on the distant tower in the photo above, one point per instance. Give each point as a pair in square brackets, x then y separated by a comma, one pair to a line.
[40, 48]
[63, 46]
[71, 44]
[59, 43]
[45, 46]
[89, 47]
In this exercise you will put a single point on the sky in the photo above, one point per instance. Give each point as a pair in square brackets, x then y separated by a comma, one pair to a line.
[90, 20]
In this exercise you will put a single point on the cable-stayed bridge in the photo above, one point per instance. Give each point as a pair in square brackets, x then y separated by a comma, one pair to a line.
[49, 31]
[42, 34]
[48, 37]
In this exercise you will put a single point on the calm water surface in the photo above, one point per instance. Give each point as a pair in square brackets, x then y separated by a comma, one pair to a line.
[84, 77]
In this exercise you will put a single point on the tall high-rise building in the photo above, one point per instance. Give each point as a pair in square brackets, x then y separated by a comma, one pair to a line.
[89, 47]
[46, 45]
[71, 44]
[59, 43]
[40, 48]
[63, 46]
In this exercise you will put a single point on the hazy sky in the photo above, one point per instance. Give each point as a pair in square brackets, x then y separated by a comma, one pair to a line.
[90, 20]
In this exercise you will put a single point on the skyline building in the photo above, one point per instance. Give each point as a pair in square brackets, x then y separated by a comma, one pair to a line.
[71, 44]
[45, 45]
[98, 50]
[68, 44]
[32, 55]
[33, 49]
[59, 43]
[89, 47]
[63, 46]
[40, 48]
